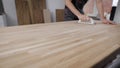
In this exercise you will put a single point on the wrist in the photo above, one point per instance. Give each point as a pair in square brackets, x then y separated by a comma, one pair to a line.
[79, 15]
[103, 18]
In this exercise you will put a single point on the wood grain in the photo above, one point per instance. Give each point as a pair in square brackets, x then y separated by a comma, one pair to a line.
[30, 11]
[36, 10]
[23, 12]
[47, 16]
[57, 45]
[59, 15]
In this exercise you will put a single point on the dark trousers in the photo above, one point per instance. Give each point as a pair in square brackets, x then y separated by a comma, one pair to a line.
[113, 13]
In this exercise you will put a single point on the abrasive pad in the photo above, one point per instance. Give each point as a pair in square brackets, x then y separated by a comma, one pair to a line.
[91, 21]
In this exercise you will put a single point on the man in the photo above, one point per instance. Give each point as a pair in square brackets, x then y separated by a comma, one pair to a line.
[74, 10]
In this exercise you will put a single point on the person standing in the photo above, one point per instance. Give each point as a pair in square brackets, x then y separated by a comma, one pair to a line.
[74, 11]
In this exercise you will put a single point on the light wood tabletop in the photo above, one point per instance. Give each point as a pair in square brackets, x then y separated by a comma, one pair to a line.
[59, 45]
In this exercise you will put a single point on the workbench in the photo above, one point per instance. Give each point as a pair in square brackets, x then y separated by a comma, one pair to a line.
[59, 45]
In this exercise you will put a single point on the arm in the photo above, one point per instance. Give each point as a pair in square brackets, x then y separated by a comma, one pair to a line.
[69, 4]
[72, 8]
[101, 12]
[100, 8]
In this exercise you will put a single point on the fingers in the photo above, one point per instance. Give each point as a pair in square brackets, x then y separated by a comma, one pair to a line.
[112, 23]
[84, 18]
[108, 22]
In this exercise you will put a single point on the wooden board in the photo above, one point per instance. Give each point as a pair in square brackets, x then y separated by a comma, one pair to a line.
[47, 16]
[30, 11]
[58, 45]
[23, 12]
[36, 10]
[59, 15]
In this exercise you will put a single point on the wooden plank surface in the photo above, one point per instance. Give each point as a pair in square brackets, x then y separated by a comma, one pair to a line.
[30, 11]
[57, 45]
[23, 12]
[36, 10]
[59, 15]
[47, 16]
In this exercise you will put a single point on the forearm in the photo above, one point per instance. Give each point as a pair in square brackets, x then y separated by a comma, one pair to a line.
[72, 8]
[100, 9]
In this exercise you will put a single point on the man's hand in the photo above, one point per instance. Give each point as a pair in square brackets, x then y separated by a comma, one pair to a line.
[108, 22]
[83, 18]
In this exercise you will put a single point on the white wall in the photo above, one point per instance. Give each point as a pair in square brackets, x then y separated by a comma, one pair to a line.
[10, 10]
[52, 5]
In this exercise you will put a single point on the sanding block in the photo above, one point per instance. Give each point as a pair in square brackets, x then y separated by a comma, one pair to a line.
[91, 21]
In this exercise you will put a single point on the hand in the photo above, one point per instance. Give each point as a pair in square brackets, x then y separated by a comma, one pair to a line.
[108, 22]
[83, 18]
